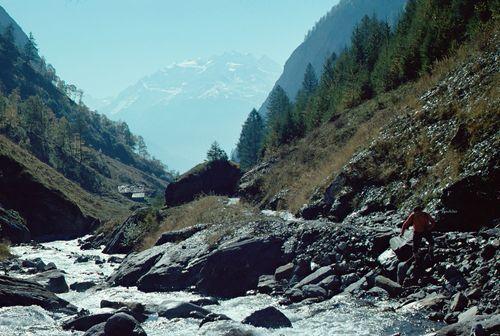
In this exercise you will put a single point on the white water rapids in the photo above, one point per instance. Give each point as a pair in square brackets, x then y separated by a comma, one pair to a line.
[338, 316]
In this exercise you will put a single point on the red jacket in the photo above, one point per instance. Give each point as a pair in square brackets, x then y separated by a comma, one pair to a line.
[420, 220]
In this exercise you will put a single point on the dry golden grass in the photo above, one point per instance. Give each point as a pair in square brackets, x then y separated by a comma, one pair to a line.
[206, 210]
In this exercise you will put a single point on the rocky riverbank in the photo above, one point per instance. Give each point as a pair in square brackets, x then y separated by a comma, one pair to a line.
[90, 301]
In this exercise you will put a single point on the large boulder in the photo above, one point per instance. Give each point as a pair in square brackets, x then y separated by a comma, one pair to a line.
[180, 235]
[269, 317]
[84, 323]
[183, 310]
[215, 177]
[235, 268]
[126, 235]
[50, 213]
[121, 324]
[17, 292]
[13, 227]
[52, 280]
[135, 266]
[316, 277]
[393, 288]
[488, 324]
[402, 246]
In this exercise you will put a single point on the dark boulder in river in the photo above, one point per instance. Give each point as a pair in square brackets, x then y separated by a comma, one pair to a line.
[17, 292]
[52, 280]
[269, 317]
[216, 177]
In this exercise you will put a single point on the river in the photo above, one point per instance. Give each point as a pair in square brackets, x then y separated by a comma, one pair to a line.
[337, 316]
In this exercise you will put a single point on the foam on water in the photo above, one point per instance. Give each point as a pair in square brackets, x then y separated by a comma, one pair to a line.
[338, 316]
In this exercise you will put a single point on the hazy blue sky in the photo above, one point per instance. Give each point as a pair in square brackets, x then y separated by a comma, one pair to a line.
[103, 46]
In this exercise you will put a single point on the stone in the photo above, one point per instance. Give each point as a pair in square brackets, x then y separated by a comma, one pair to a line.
[377, 292]
[183, 310]
[83, 323]
[468, 314]
[136, 309]
[216, 177]
[270, 318]
[458, 302]
[267, 284]
[17, 292]
[348, 279]
[180, 235]
[207, 301]
[52, 280]
[315, 277]
[393, 288]
[451, 318]
[284, 272]
[331, 283]
[389, 263]
[403, 271]
[474, 293]
[135, 266]
[313, 291]
[212, 317]
[97, 330]
[121, 324]
[402, 246]
[235, 268]
[125, 235]
[432, 301]
[82, 286]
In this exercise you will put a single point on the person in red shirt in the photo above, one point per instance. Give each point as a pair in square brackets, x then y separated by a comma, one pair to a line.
[422, 224]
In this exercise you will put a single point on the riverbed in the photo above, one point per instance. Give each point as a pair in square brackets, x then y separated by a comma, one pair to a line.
[340, 315]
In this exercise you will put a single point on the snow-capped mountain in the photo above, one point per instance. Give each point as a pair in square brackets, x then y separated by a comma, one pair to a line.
[181, 109]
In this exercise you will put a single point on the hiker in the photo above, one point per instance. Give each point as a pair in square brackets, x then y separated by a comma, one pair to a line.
[423, 224]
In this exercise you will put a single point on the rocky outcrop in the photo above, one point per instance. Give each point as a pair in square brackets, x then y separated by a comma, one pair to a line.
[52, 280]
[48, 212]
[126, 235]
[216, 177]
[413, 156]
[17, 292]
[13, 227]
[180, 235]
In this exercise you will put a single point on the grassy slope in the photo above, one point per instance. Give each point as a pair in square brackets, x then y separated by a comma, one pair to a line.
[312, 162]
[103, 207]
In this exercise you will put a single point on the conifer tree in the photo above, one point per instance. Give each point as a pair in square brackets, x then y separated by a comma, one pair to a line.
[310, 82]
[215, 153]
[30, 49]
[250, 142]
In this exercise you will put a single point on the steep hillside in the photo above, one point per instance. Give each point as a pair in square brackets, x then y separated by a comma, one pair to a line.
[435, 140]
[19, 35]
[192, 103]
[330, 35]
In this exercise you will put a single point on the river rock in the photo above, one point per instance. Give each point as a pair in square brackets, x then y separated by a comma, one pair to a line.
[136, 309]
[216, 177]
[269, 317]
[284, 272]
[180, 235]
[125, 235]
[206, 301]
[458, 302]
[135, 266]
[476, 326]
[402, 246]
[183, 310]
[316, 277]
[313, 291]
[212, 317]
[52, 280]
[96, 330]
[121, 324]
[393, 288]
[235, 268]
[267, 284]
[468, 314]
[82, 286]
[17, 292]
[83, 323]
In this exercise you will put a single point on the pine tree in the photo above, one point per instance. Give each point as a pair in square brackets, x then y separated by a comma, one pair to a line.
[30, 49]
[310, 82]
[250, 142]
[215, 153]
[280, 126]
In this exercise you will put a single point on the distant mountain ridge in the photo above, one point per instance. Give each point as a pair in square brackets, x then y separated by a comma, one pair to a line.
[193, 103]
[331, 33]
